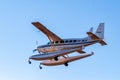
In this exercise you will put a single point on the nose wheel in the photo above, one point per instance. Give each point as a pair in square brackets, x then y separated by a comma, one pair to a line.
[56, 58]
[40, 66]
[29, 61]
[66, 64]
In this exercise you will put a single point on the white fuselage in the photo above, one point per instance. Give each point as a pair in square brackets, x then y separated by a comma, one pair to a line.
[66, 44]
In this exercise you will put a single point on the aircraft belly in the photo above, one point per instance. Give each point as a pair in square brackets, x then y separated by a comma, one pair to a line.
[64, 60]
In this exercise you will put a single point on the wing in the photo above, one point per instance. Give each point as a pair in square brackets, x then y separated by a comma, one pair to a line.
[51, 36]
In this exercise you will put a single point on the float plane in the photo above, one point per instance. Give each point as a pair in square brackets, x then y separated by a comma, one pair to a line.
[57, 51]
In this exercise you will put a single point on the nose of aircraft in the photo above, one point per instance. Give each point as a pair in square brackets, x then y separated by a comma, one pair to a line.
[32, 57]
[35, 57]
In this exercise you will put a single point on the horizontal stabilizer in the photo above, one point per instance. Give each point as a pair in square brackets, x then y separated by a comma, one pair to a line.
[93, 36]
[102, 42]
[99, 34]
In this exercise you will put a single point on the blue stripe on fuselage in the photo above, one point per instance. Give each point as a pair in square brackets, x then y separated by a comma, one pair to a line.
[68, 44]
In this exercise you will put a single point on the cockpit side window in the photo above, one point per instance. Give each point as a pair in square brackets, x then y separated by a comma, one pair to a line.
[66, 41]
[49, 43]
[61, 41]
[70, 41]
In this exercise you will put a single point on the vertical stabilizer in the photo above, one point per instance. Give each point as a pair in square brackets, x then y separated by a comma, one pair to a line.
[100, 31]
[91, 29]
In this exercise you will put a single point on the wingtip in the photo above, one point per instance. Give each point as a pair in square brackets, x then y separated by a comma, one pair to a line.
[34, 22]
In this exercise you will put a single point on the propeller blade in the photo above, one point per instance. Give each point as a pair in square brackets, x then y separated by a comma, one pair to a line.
[34, 50]
[36, 42]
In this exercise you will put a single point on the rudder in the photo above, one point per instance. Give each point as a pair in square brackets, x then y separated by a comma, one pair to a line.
[100, 31]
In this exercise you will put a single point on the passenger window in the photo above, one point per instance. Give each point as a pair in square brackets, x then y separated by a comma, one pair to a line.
[70, 40]
[82, 40]
[61, 41]
[74, 41]
[66, 41]
[56, 41]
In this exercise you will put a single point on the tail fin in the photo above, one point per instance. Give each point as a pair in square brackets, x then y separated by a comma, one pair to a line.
[91, 29]
[99, 34]
[100, 31]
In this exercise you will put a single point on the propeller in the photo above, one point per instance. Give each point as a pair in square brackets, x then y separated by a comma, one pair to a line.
[34, 50]
[36, 47]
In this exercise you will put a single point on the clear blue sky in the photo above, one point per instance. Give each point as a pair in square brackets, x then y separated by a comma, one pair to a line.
[68, 19]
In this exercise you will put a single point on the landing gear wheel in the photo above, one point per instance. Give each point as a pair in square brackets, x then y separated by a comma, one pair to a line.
[92, 53]
[29, 61]
[66, 64]
[40, 66]
[56, 58]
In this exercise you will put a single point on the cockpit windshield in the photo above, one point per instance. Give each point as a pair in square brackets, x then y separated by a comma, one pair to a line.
[49, 43]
